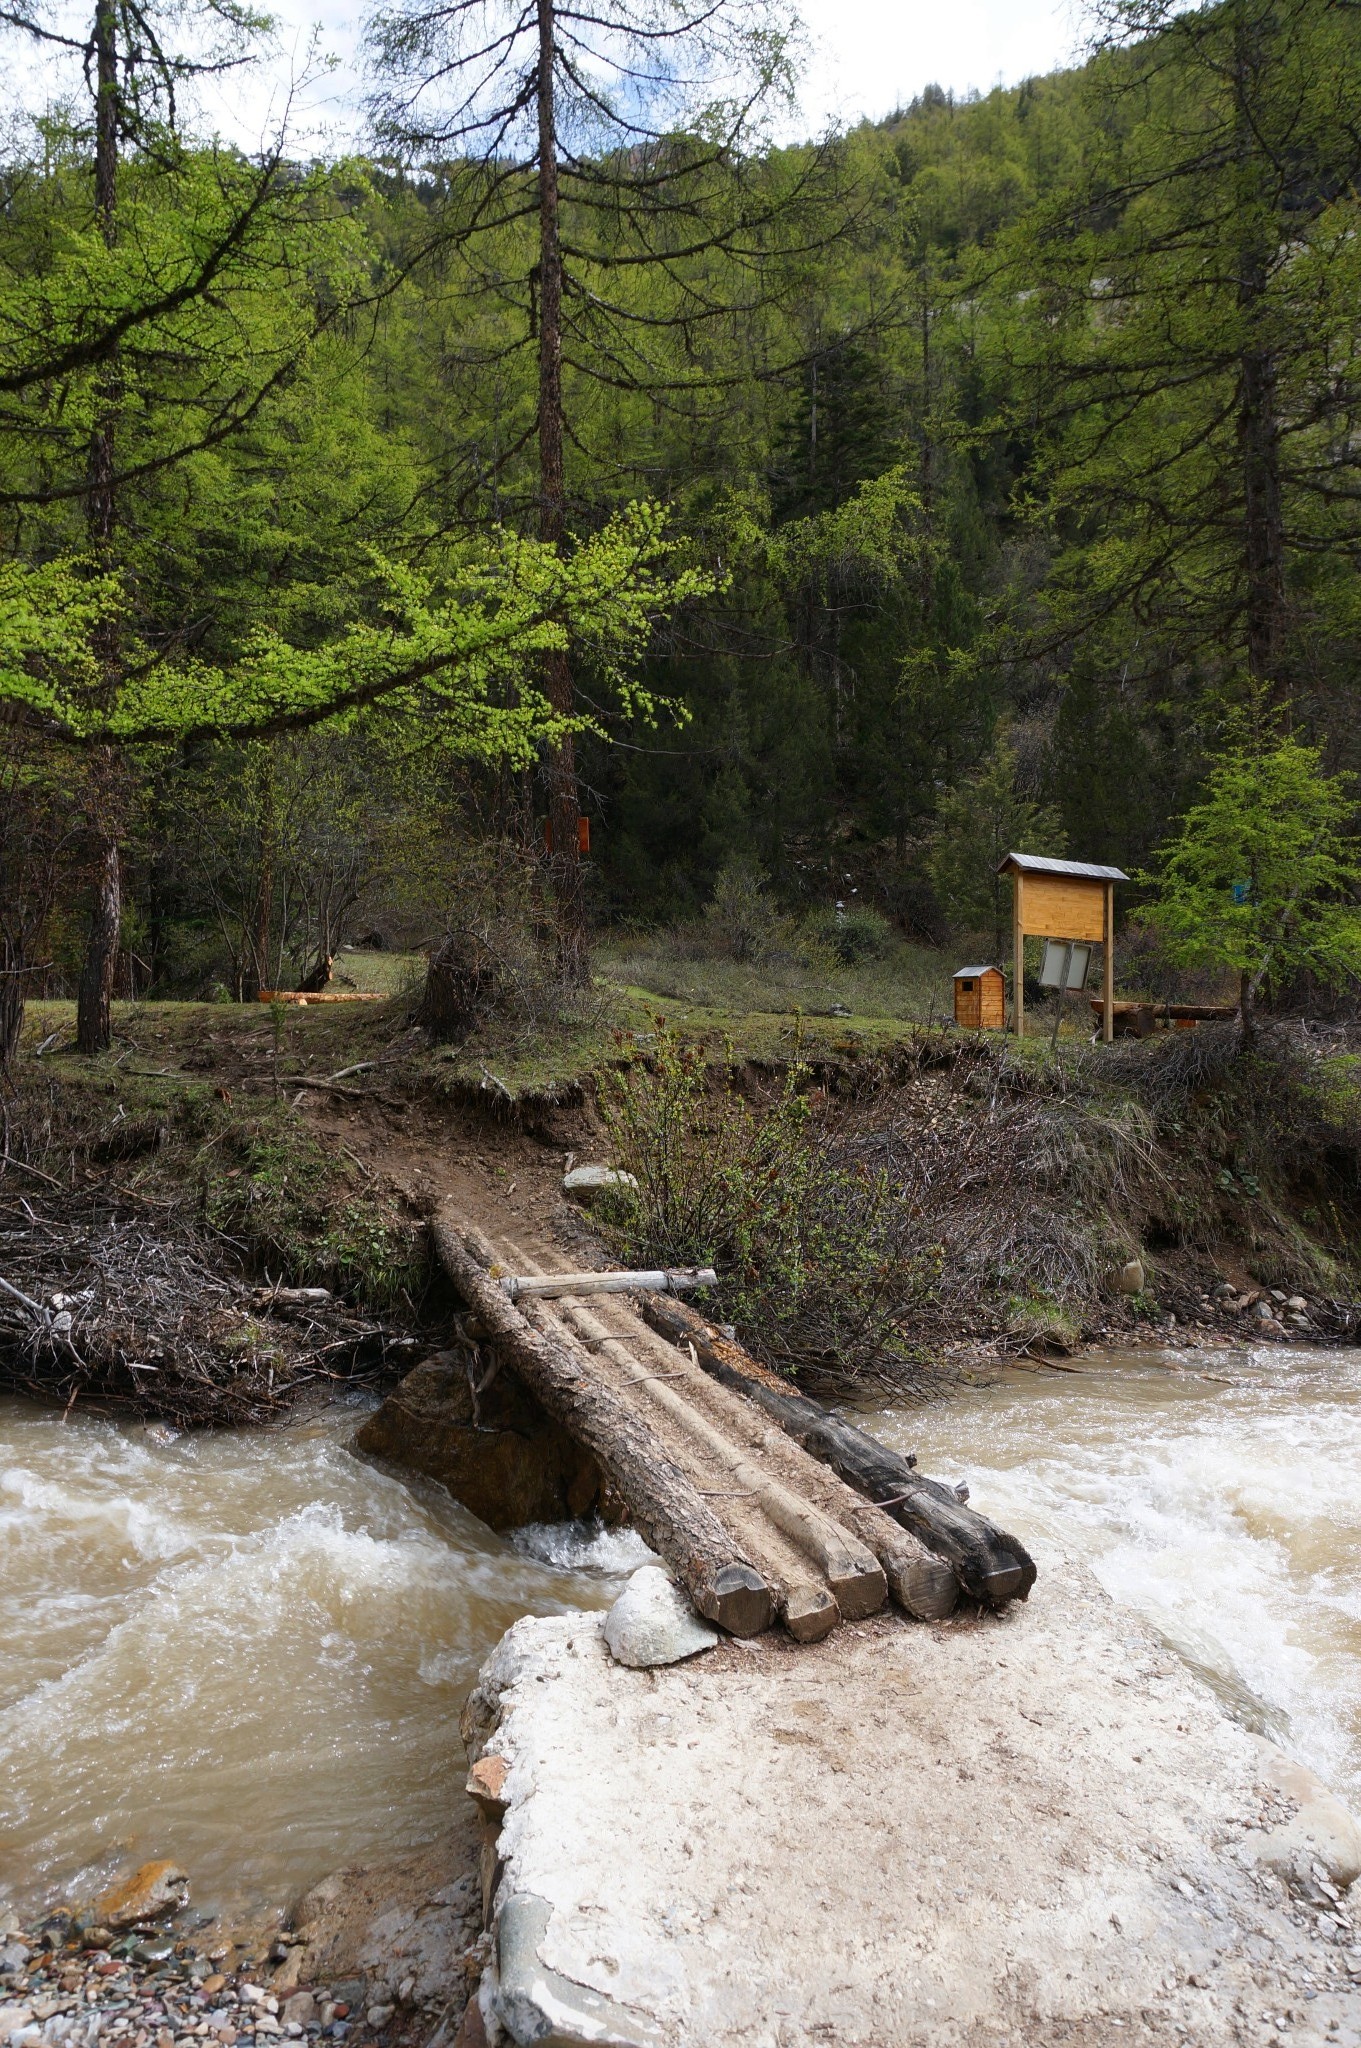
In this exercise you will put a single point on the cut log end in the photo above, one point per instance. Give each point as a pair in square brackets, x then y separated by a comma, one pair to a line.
[859, 1585]
[809, 1612]
[925, 1587]
[1009, 1584]
[738, 1599]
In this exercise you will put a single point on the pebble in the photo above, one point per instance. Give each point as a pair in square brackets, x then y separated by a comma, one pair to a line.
[68, 1988]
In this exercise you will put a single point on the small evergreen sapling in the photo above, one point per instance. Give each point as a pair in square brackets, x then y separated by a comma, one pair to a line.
[1262, 878]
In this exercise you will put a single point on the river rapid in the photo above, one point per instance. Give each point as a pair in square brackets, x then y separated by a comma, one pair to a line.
[1217, 1494]
[244, 1649]
[248, 1650]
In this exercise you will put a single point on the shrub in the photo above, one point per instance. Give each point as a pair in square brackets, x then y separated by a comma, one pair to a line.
[851, 932]
[740, 913]
[810, 1246]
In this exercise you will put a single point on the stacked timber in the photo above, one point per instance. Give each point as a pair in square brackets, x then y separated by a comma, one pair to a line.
[738, 1494]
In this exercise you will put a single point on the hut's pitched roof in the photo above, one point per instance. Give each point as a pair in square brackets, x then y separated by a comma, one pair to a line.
[1081, 870]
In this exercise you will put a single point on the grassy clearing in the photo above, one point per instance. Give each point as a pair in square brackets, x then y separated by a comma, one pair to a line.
[908, 984]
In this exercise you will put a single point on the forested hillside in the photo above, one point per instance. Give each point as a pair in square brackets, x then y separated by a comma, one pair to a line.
[956, 482]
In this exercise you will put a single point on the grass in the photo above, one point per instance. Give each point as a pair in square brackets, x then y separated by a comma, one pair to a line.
[909, 985]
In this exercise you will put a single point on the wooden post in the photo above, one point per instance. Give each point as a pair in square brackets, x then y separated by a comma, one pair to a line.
[1108, 967]
[1018, 953]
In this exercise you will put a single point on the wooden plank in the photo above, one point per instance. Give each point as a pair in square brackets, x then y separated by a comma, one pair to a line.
[1108, 967]
[1059, 908]
[1018, 916]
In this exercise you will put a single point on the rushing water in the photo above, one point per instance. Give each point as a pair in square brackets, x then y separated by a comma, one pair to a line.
[1217, 1494]
[244, 1650]
[248, 1651]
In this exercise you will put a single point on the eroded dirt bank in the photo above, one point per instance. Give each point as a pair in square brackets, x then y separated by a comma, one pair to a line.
[1036, 1829]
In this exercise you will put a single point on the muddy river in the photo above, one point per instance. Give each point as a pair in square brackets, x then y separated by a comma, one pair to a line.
[249, 1651]
[244, 1650]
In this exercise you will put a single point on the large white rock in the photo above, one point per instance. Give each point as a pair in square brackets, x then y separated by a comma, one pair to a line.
[652, 1622]
[584, 1183]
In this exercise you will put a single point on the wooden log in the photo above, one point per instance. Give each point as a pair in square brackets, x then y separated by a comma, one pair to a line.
[991, 1565]
[852, 1570]
[921, 1582]
[666, 1507]
[805, 1604]
[551, 1286]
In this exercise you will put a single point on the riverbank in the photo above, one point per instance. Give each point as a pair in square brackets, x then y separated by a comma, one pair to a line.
[166, 1190]
[1033, 1829]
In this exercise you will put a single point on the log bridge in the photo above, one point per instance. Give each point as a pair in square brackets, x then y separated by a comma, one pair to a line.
[765, 1506]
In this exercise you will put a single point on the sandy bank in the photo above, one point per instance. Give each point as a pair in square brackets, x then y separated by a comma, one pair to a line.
[1036, 1828]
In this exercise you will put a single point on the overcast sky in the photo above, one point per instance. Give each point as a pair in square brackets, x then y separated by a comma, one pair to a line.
[869, 56]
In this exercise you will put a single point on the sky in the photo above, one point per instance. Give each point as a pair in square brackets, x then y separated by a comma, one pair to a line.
[867, 57]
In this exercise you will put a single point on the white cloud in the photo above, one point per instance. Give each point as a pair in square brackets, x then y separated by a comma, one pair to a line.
[868, 57]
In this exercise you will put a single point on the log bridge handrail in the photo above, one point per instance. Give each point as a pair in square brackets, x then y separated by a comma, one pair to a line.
[552, 1286]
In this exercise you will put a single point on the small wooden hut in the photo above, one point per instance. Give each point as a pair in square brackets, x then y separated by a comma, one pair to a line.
[980, 999]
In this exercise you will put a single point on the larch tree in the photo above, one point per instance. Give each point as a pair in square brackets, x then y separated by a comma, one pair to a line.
[601, 166]
[1185, 311]
[135, 59]
[1261, 879]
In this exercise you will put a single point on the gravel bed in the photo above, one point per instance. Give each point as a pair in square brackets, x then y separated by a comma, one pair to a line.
[62, 1986]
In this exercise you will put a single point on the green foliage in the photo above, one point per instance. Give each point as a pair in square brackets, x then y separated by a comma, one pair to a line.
[851, 932]
[808, 1247]
[267, 1184]
[1262, 878]
[980, 822]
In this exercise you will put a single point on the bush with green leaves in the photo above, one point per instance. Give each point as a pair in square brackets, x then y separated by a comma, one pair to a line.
[813, 1249]
[851, 932]
[1262, 878]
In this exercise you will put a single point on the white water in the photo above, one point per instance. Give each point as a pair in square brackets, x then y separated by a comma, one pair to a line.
[249, 1650]
[1229, 1516]
[246, 1650]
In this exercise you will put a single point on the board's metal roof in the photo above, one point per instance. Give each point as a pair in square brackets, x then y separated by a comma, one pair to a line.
[1081, 870]
[972, 973]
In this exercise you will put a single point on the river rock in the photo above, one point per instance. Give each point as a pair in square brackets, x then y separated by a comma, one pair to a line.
[652, 1622]
[153, 1892]
[587, 1183]
[300, 2009]
[502, 1455]
[1322, 1832]
[1129, 1278]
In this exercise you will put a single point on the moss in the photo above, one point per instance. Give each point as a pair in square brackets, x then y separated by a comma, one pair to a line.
[297, 1209]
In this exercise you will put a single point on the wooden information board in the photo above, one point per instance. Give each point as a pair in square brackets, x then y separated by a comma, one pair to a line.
[1059, 899]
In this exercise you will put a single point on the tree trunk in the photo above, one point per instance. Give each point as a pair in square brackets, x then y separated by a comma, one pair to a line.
[94, 1021]
[991, 1565]
[666, 1507]
[1247, 1011]
[460, 986]
[94, 1026]
[564, 860]
[1258, 421]
[11, 998]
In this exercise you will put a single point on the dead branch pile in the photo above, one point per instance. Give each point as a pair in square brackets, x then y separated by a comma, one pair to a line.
[104, 1308]
[1019, 1191]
